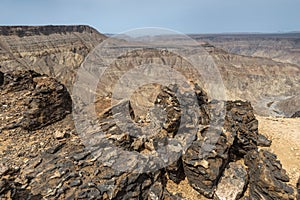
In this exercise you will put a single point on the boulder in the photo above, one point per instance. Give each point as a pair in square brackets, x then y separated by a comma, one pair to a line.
[233, 182]
[205, 160]
[32, 100]
[243, 125]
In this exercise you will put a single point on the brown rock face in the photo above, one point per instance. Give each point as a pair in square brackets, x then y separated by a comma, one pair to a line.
[56, 51]
[31, 101]
[261, 68]
[267, 73]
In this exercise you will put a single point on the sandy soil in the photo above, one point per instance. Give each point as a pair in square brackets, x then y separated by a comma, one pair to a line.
[285, 136]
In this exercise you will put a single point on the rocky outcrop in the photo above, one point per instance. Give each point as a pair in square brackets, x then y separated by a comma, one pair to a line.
[205, 160]
[58, 163]
[31, 101]
[267, 178]
[230, 139]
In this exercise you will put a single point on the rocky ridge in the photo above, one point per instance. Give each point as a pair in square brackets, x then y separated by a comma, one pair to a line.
[50, 161]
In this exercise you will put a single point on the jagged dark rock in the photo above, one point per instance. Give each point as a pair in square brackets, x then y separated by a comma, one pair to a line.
[298, 188]
[175, 171]
[34, 100]
[234, 134]
[267, 178]
[205, 160]
[1, 78]
[61, 165]
[296, 114]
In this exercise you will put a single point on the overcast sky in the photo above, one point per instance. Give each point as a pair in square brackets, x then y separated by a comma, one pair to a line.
[187, 16]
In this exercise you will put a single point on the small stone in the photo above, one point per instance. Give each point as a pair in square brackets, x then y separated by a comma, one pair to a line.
[55, 149]
[75, 183]
[81, 156]
[59, 134]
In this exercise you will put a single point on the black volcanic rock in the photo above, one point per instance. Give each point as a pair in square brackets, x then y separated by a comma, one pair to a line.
[267, 178]
[241, 122]
[205, 160]
[232, 133]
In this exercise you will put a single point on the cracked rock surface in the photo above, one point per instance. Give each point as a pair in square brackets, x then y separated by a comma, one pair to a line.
[43, 156]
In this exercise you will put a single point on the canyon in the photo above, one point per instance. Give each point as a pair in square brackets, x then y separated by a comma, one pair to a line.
[226, 149]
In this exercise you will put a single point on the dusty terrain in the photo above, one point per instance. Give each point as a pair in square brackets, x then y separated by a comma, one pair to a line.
[285, 136]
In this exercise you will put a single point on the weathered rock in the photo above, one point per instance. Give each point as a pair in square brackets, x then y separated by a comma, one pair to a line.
[1, 78]
[241, 122]
[3, 169]
[267, 178]
[233, 132]
[233, 182]
[53, 166]
[175, 171]
[32, 101]
[298, 188]
[296, 114]
[205, 160]
[56, 51]
[60, 134]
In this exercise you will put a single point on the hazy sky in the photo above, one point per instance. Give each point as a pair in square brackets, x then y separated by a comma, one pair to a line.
[187, 16]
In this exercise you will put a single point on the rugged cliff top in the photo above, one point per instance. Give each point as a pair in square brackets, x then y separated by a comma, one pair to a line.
[22, 31]
[56, 51]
